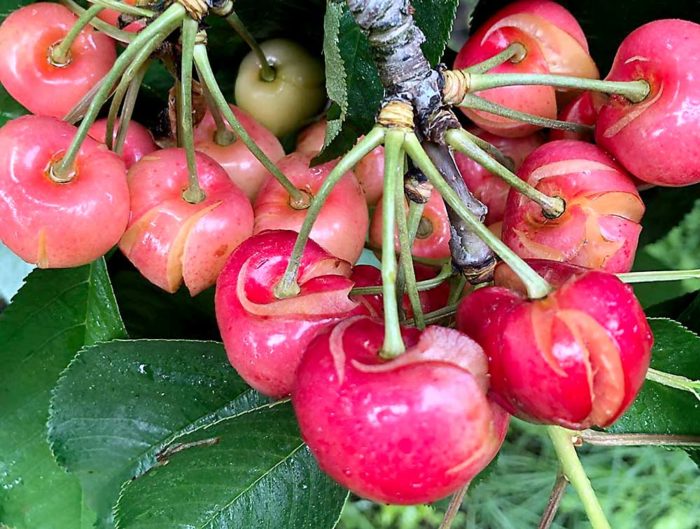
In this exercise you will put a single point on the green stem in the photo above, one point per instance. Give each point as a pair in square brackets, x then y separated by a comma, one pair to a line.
[536, 286]
[635, 91]
[125, 8]
[128, 108]
[458, 139]
[638, 439]
[267, 72]
[194, 193]
[515, 53]
[60, 54]
[660, 275]
[101, 25]
[674, 381]
[393, 168]
[288, 287]
[437, 315]
[478, 103]
[575, 473]
[165, 24]
[491, 150]
[427, 284]
[415, 214]
[298, 199]
[456, 289]
[223, 136]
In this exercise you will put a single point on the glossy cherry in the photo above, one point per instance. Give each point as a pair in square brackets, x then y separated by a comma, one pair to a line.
[340, 227]
[409, 430]
[583, 109]
[576, 358]
[600, 227]
[243, 168]
[657, 139]
[171, 241]
[138, 142]
[27, 71]
[265, 337]
[57, 225]
[310, 140]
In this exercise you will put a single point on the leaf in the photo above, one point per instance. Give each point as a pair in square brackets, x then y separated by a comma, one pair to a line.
[9, 108]
[435, 20]
[660, 409]
[54, 314]
[8, 6]
[12, 272]
[120, 403]
[252, 470]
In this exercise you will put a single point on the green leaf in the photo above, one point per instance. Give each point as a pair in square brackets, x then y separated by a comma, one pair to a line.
[660, 409]
[252, 470]
[9, 108]
[435, 20]
[56, 313]
[120, 403]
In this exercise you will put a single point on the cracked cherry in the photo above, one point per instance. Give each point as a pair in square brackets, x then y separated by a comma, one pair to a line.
[576, 358]
[137, 143]
[52, 224]
[171, 241]
[409, 430]
[657, 138]
[264, 336]
[27, 72]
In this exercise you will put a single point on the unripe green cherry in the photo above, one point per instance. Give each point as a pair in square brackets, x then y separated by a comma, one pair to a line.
[295, 94]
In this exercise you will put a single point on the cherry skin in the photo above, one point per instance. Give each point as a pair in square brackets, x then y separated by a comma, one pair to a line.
[265, 337]
[295, 94]
[487, 187]
[171, 241]
[404, 431]
[657, 139]
[600, 227]
[111, 16]
[58, 225]
[576, 358]
[310, 140]
[242, 166]
[432, 240]
[583, 109]
[340, 227]
[137, 144]
[26, 71]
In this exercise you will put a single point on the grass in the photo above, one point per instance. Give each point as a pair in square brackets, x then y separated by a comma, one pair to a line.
[640, 488]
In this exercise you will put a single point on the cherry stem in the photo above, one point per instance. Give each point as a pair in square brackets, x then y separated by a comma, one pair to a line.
[491, 150]
[101, 25]
[415, 214]
[267, 72]
[437, 315]
[514, 53]
[288, 287]
[536, 286]
[125, 8]
[576, 475]
[167, 22]
[660, 275]
[223, 136]
[453, 507]
[427, 284]
[554, 501]
[132, 93]
[59, 55]
[478, 103]
[456, 289]
[635, 91]
[638, 439]
[459, 139]
[674, 381]
[393, 176]
[298, 199]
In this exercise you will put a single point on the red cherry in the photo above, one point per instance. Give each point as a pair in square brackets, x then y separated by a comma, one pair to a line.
[265, 337]
[310, 140]
[409, 430]
[137, 144]
[28, 74]
[172, 241]
[600, 227]
[341, 226]
[111, 16]
[433, 238]
[555, 273]
[576, 358]
[243, 168]
[57, 225]
[657, 139]
[487, 187]
[583, 109]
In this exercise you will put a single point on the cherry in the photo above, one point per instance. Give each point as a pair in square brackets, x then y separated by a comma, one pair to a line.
[555, 273]
[583, 109]
[265, 337]
[409, 430]
[171, 241]
[487, 187]
[657, 139]
[600, 227]
[295, 94]
[111, 16]
[54, 224]
[341, 225]
[243, 168]
[432, 240]
[576, 358]
[27, 71]
[310, 140]
[137, 144]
